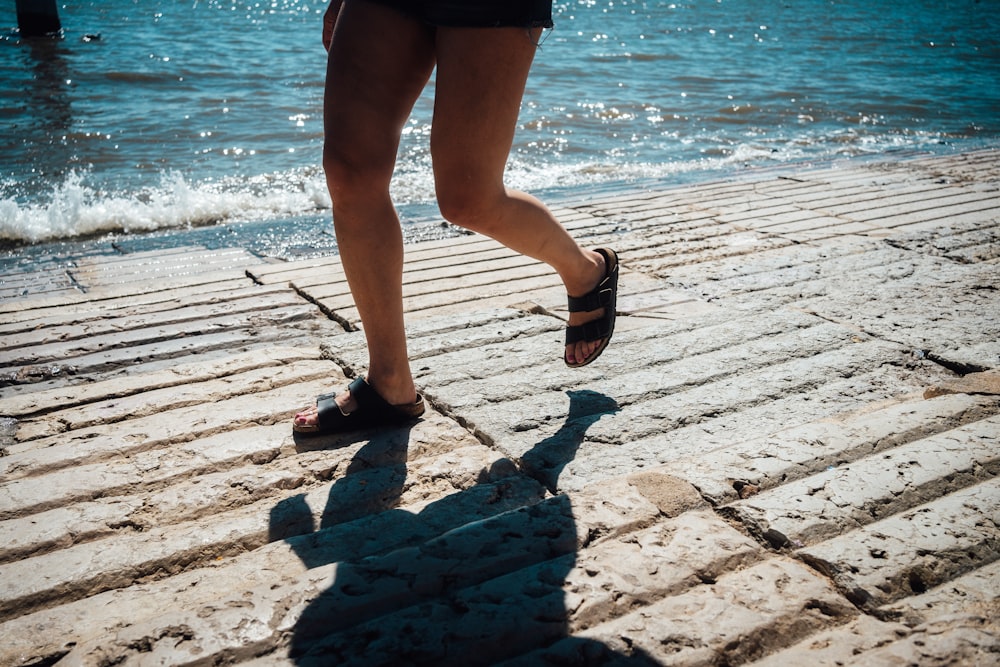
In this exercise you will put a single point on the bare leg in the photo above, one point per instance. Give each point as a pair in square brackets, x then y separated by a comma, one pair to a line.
[378, 64]
[480, 82]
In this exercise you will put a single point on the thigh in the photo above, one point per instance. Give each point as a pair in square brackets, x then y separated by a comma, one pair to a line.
[480, 81]
[379, 62]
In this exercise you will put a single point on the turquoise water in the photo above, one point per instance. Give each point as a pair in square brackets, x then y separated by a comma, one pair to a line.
[149, 115]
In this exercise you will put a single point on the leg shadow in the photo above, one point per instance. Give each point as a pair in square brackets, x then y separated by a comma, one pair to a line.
[473, 578]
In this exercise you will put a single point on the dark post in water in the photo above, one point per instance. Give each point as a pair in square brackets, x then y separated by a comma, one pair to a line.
[37, 17]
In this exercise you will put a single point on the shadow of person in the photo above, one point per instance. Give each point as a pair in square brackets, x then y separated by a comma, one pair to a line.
[370, 485]
[473, 578]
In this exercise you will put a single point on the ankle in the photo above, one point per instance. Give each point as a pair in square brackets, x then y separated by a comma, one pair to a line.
[588, 274]
[396, 388]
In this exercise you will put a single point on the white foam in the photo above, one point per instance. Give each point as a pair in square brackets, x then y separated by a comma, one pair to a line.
[75, 208]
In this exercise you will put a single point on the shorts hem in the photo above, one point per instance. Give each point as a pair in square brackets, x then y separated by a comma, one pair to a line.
[468, 15]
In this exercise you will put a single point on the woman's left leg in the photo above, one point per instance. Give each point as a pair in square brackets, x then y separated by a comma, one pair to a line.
[480, 81]
[379, 62]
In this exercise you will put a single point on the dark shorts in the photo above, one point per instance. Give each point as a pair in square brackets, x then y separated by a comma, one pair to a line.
[477, 13]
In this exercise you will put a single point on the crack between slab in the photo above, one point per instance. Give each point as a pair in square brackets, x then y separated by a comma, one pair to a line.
[963, 261]
[481, 436]
[958, 367]
[330, 314]
[48, 659]
[776, 543]
[76, 284]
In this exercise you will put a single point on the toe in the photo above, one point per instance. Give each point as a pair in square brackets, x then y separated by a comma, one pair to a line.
[306, 417]
[580, 352]
[570, 354]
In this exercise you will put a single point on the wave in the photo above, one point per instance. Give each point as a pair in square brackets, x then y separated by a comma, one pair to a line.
[77, 209]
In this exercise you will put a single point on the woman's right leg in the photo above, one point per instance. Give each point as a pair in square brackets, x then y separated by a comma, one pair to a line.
[480, 81]
[379, 62]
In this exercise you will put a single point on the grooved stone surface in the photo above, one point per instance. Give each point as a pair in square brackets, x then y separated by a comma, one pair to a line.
[788, 455]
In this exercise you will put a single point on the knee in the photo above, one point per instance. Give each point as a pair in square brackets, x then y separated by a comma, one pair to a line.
[340, 176]
[350, 179]
[469, 206]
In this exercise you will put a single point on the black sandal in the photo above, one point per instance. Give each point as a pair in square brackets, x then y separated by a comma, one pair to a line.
[372, 410]
[603, 296]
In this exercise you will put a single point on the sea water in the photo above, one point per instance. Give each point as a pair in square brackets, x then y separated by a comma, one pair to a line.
[149, 119]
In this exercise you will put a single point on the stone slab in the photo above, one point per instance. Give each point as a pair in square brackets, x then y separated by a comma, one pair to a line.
[909, 553]
[741, 616]
[609, 514]
[151, 401]
[29, 403]
[140, 552]
[82, 341]
[147, 297]
[744, 468]
[106, 441]
[242, 301]
[58, 629]
[845, 496]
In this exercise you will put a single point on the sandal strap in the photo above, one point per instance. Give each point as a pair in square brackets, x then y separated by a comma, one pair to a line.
[590, 331]
[367, 398]
[372, 409]
[603, 294]
[599, 297]
[327, 409]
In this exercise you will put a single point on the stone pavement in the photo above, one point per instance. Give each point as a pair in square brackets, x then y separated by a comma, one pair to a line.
[788, 456]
